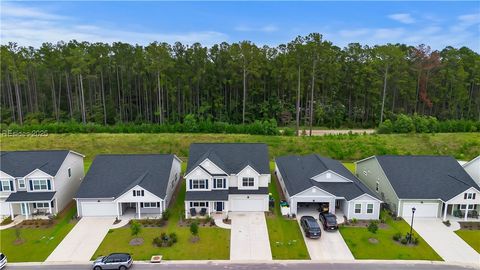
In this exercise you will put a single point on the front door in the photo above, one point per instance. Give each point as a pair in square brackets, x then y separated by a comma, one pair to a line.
[219, 206]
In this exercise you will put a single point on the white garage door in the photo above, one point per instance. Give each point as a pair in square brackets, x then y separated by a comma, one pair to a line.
[98, 209]
[247, 205]
[421, 209]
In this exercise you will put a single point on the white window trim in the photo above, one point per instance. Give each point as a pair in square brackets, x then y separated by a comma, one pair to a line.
[150, 205]
[372, 209]
[22, 180]
[3, 186]
[199, 204]
[248, 182]
[198, 184]
[355, 208]
[45, 205]
[219, 180]
[40, 184]
[464, 206]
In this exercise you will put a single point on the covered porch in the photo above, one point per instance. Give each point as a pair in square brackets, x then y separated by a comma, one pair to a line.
[199, 209]
[139, 210]
[32, 205]
[463, 212]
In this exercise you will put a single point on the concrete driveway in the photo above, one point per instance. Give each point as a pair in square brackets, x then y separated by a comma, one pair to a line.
[445, 241]
[330, 246]
[249, 237]
[82, 241]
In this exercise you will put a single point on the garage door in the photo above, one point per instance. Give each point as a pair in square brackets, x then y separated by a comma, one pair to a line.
[98, 209]
[421, 209]
[247, 205]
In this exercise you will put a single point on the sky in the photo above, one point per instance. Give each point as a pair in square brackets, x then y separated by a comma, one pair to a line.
[437, 24]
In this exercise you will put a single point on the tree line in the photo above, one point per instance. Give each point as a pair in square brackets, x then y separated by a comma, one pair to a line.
[306, 82]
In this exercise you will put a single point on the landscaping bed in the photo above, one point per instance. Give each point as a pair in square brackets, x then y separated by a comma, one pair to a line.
[470, 225]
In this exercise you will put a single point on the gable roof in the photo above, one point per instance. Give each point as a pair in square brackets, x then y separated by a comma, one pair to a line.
[426, 177]
[230, 157]
[466, 164]
[21, 163]
[297, 173]
[110, 176]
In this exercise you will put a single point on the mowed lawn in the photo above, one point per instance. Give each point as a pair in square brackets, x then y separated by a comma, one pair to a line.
[38, 243]
[286, 240]
[214, 243]
[471, 237]
[357, 240]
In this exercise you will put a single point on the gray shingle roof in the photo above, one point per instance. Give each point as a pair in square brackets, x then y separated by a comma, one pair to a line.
[216, 195]
[297, 172]
[21, 163]
[24, 196]
[260, 190]
[230, 157]
[110, 176]
[426, 177]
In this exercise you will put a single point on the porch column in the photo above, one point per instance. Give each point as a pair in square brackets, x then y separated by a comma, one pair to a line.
[453, 208]
[445, 212]
[26, 210]
[11, 211]
[138, 209]
[161, 208]
[118, 210]
[56, 206]
[466, 212]
[209, 207]
[50, 207]
[187, 209]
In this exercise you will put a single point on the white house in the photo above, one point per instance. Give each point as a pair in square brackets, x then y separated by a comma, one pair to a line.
[34, 183]
[117, 185]
[435, 186]
[324, 182]
[473, 169]
[223, 177]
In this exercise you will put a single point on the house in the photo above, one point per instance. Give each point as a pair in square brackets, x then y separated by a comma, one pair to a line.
[38, 183]
[473, 169]
[223, 177]
[312, 179]
[138, 185]
[434, 185]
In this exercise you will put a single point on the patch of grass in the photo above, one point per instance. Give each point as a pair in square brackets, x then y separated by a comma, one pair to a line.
[214, 243]
[471, 237]
[6, 221]
[37, 243]
[359, 241]
[350, 166]
[286, 240]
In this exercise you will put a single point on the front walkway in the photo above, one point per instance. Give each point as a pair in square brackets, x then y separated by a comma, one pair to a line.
[445, 241]
[82, 241]
[330, 246]
[249, 237]
[17, 220]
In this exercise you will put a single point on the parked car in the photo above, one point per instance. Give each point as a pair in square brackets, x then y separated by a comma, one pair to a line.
[310, 227]
[329, 221]
[3, 260]
[120, 261]
[323, 208]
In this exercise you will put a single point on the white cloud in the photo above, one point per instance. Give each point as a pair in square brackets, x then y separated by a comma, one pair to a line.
[405, 18]
[266, 28]
[32, 27]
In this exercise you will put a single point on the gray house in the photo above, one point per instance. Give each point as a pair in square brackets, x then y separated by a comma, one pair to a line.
[312, 179]
[223, 177]
[139, 185]
[38, 183]
[434, 185]
[473, 169]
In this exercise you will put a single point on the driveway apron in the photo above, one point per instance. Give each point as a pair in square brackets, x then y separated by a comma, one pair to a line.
[249, 237]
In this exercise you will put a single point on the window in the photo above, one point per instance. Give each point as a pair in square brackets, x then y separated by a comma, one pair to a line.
[40, 184]
[377, 187]
[219, 183]
[69, 172]
[139, 193]
[248, 181]
[149, 205]
[199, 184]
[6, 186]
[198, 204]
[42, 205]
[370, 208]
[469, 196]
[21, 183]
[358, 208]
[464, 206]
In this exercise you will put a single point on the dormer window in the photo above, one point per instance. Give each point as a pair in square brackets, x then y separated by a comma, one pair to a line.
[469, 196]
[219, 183]
[248, 182]
[21, 183]
[138, 193]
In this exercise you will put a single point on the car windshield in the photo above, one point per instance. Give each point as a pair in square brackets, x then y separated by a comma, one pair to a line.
[331, 219]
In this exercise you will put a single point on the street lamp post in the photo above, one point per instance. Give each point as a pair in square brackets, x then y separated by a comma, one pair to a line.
[411, 226]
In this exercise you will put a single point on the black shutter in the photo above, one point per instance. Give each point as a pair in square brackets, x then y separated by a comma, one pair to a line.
[464, 196]
[11, 186]
[206, 184]
[206, 204]
[473, 196]
[190, 181]
[1, 187]
[224, 183]
[214, 183]
[34, 205]
[143, 193]
[141, 204]
[51, 203]
[134, 194]
[49, 185]
[31, 184]
[191, 204]
[158, 204]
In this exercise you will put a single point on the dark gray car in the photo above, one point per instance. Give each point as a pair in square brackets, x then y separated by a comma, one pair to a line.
[310, 227]
[120, 261]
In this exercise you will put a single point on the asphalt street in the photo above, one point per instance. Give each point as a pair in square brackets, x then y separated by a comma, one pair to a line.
[261, 266]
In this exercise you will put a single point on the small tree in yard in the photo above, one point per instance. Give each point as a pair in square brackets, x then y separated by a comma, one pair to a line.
[194, 228]
[373, 227]
[135, 227]
[18, 234]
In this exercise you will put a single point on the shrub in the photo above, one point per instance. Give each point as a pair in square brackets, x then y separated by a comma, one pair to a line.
[194, 228]
[386, 127]
[447, 223]
[288, 131]
[415, 240]
[373, 227]
[135, 227]
[404, 241]
[397, 236]
[403, 124]
[166, 214]
[354, 221]
[173, 238]
[165, 240]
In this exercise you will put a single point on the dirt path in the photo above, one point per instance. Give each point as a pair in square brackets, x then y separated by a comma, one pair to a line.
[322, 132]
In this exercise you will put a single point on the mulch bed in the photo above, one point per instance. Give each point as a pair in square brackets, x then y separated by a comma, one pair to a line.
[364, 224]
[36, 224]
[136, 242]
[373, 240]
[151, 223]
[194, 239]
[470, 225]
[201, 222]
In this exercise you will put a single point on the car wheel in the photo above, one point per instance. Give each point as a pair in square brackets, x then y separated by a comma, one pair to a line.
[97, 268]
[122, 267]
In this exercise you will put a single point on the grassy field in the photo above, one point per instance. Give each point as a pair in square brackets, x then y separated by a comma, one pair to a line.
[357, 240]
[471, 237]
[463, 146]
[38, 243]
[214, 242]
